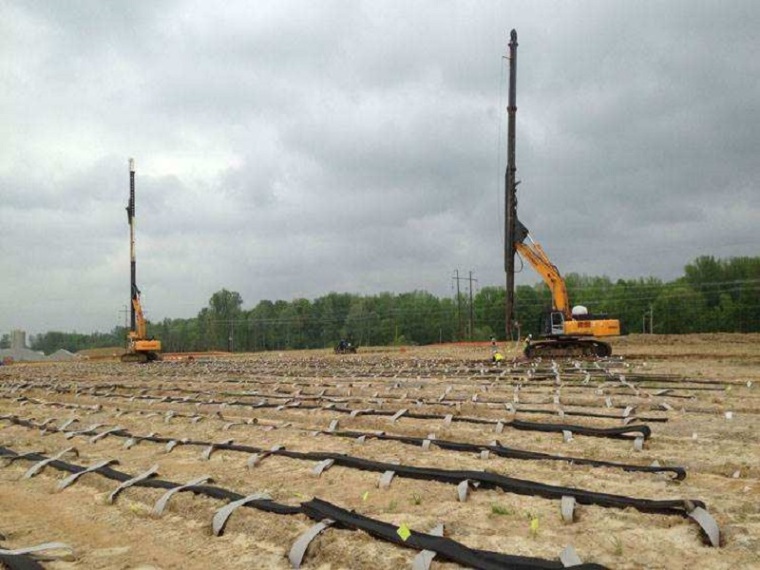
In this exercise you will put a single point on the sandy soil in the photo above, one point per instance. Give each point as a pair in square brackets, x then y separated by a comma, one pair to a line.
[707, 377]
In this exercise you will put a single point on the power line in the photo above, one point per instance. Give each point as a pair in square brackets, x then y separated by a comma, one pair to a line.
[375, 314]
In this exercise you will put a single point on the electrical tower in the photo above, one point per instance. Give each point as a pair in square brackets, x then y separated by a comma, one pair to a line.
[471, 323]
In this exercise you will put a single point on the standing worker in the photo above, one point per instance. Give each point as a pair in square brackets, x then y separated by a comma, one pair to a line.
[496, 356]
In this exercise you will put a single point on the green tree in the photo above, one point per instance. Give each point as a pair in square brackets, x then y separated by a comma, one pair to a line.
[261, 324]
[224, 310]
[531, 303]
[703, 275]
[713, 295]
[328, 321]
[356, 322]
[680, 309]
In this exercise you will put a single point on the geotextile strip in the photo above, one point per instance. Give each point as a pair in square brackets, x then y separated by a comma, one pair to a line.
[496, 448]
[318, 510]
[511, 453]
[340, 399]
[485, 479]
[19, 562]
[624, 432]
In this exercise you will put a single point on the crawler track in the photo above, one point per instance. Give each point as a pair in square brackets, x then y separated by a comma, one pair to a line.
[568, 348]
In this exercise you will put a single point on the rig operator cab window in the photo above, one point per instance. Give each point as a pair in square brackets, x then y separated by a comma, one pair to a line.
[558, 323]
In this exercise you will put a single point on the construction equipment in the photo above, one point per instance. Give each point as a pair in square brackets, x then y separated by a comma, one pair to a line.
[564, 332]
[140, 348]
[345, 347]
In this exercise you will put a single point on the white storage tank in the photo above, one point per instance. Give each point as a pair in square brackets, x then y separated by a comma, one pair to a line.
[18, 339]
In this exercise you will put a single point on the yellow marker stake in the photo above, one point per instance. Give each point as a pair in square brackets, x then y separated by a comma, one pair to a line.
[534, 526]
[404, 532]
[365, 495]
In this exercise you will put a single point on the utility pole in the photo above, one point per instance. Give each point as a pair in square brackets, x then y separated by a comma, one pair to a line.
[459, 303]
[472, 313]
[649, 314]
[471, 321]
[510, 203]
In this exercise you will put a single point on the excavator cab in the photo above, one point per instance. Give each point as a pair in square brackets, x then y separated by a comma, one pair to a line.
[557, 323]
[551, 324]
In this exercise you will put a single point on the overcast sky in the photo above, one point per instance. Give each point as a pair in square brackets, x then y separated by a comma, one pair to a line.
[290, 149]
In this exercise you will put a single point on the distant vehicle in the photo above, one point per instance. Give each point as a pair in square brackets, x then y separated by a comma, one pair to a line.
[345, 347]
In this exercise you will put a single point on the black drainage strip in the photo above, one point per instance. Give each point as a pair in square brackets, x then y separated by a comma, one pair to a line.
[336, 399]
[486, 480]
[624, 432]
[315, 509]
[19, 562]
[511, 453]
[509, 484]
[318, 509]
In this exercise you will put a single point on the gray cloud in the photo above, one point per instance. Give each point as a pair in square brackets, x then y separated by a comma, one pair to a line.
[289, 149]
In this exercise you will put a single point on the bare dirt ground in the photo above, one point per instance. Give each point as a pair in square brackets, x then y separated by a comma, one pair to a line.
[699, 395]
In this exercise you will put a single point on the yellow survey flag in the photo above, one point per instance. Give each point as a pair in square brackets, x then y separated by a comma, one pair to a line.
[404, 532]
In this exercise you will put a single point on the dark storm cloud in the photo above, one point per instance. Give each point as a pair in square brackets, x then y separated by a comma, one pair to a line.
[644, 138]
[292, 148]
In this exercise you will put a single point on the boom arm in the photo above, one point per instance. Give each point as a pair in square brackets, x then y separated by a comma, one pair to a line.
[140, 330]
[536, 256]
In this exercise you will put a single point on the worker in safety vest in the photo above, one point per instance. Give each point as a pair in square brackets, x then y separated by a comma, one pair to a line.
[496, 356]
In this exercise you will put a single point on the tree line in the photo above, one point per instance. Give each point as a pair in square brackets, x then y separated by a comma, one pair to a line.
[713, 295]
